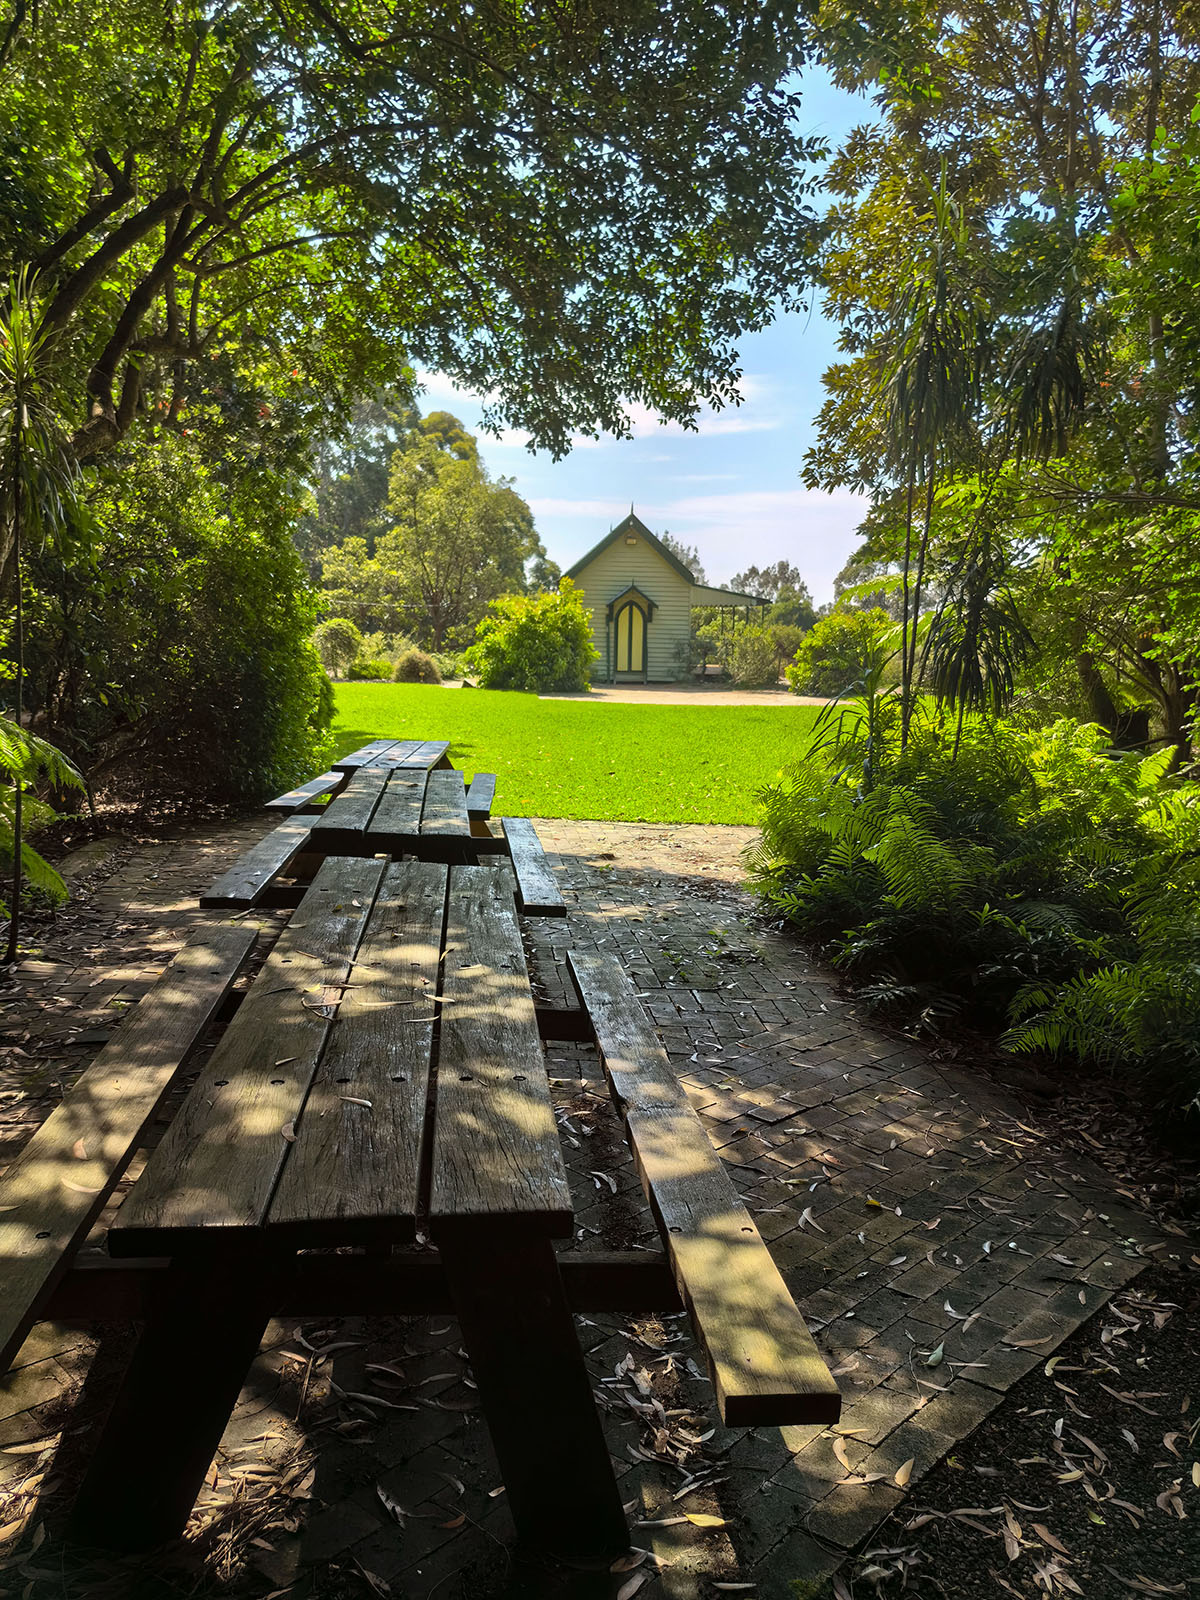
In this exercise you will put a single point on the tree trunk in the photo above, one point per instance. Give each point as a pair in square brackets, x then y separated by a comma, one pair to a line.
[1101, 706]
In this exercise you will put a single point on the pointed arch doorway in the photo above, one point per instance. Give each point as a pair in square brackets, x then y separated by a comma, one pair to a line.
[629, 622]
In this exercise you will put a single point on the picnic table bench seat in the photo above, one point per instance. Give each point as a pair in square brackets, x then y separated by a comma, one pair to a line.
[765, 1366]
[481, 796]
[305, 796]
[538, 894]
[61, 1180]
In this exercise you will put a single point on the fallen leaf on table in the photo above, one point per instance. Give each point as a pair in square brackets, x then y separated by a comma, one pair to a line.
[355, 1100]
[79, 1150]
[904, 1473]
[289, 1132]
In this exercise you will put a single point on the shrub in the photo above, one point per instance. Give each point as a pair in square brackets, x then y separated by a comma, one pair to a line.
[366, 670]
[754, 660]
[414, 666]
[182, 661]
[539, 642]
[837, 652]
[339, 644]
[450, 663]
[787, 639]
[1037, 883]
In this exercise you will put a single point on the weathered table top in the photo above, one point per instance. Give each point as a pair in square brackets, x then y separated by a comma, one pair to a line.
[309, 1122]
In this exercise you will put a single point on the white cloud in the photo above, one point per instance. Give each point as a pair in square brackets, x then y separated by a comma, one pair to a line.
[814, 530]
[606, 511]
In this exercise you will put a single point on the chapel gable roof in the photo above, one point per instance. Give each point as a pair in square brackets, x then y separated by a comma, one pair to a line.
[632, 524]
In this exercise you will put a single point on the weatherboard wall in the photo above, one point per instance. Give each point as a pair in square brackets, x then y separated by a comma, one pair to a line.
[612, 571]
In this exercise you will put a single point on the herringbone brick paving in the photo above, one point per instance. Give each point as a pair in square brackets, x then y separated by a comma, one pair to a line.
[940, 1246]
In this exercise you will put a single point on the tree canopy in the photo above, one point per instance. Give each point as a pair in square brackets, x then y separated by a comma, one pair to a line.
[445, 540]
[275, 205]
[1009, 253]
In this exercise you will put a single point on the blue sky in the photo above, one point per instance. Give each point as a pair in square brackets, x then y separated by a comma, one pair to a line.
[731, 489]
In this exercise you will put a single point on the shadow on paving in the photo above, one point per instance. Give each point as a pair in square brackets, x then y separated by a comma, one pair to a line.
[939, 1245]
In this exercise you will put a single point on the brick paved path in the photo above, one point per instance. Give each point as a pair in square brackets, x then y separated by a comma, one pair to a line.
[940, 1246]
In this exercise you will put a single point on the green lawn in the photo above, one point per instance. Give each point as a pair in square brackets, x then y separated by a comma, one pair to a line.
[569, 758]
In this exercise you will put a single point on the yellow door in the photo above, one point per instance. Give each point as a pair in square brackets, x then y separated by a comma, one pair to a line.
[631, 639]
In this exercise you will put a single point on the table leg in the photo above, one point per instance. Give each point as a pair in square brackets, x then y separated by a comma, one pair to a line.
[200, 1337]
[536, 1394]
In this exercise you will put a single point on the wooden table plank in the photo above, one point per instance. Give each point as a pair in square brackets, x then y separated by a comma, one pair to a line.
[766, 1369]
[61, 1179]
[481, 796]
[247, 880]
[220, 1159]
[352, 1176]
[538, 893]
[445, 810]
[368, 754]
[433, 753]
[397, 818]
[306, 793]
[496, 1152]
[343, 825]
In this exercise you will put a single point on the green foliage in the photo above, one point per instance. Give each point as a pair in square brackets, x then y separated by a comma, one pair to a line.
[787, 639]
[453, 538]
[539, 642]
[370, 669]
[414, 666]
[183, 660]
[793, 608]
[28, 761]
[39, 501]
[1031, 880]
[338, 643]
[1018, 319]
[544, 206]
[754, 658]
[770, 583]
[839, 651]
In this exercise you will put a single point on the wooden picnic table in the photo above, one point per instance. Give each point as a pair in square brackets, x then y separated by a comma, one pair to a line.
[383, 1085]
[385, 1077]
[395, 799]
[312, 1126]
